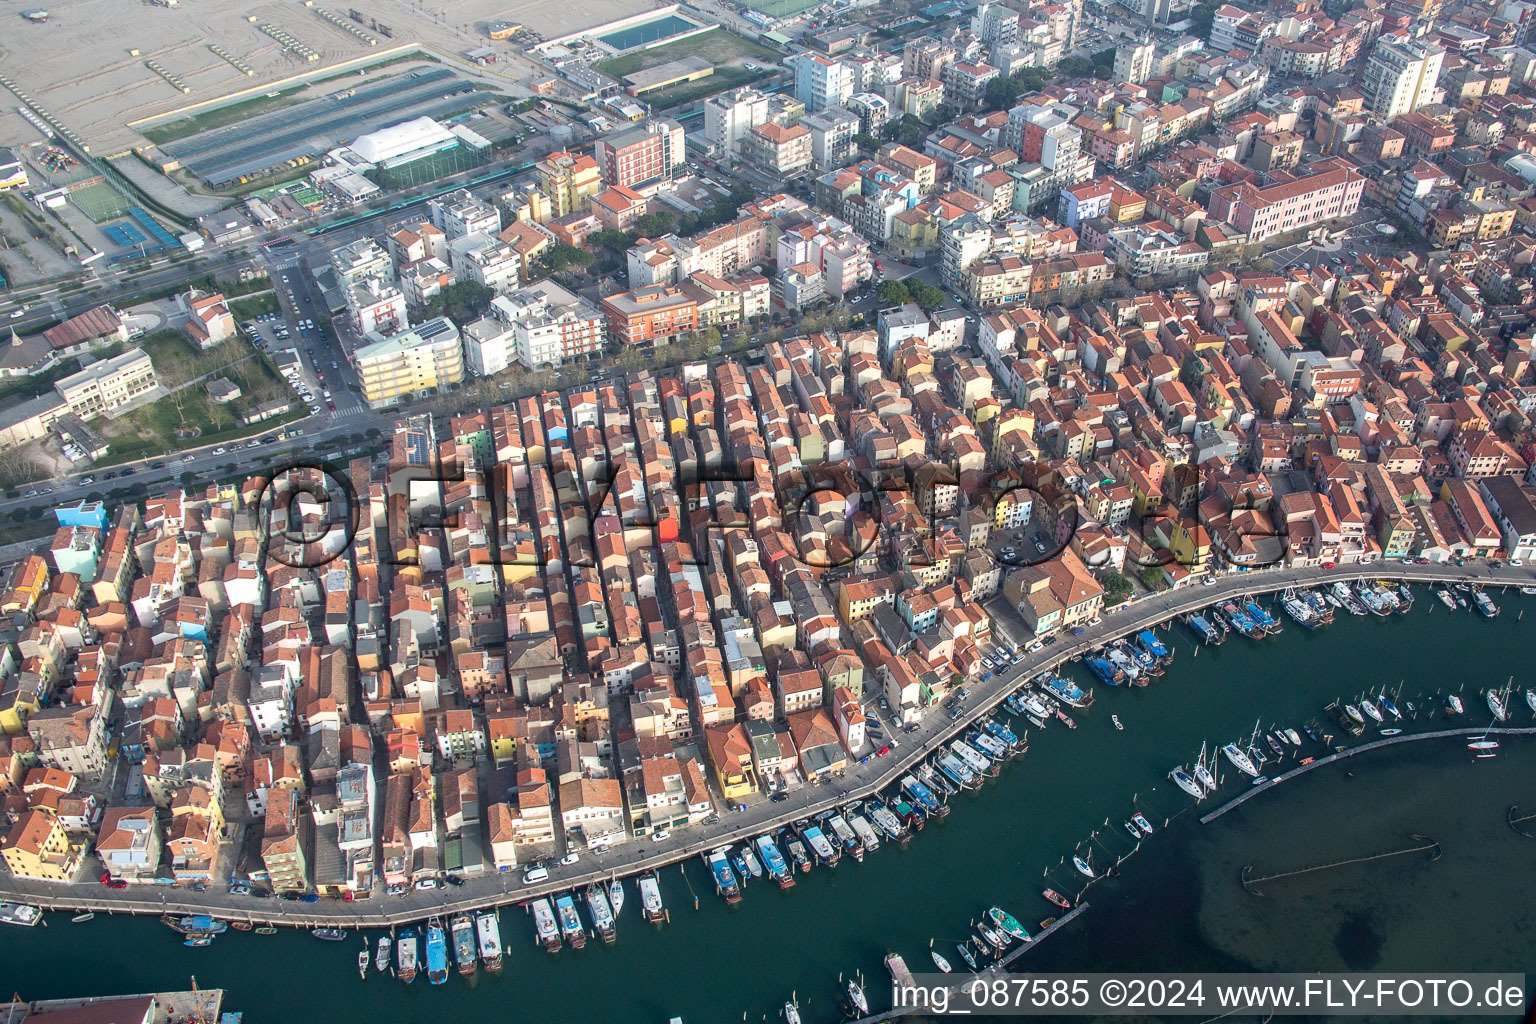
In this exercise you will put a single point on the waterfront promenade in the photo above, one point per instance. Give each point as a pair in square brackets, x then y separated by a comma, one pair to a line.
[762, 814]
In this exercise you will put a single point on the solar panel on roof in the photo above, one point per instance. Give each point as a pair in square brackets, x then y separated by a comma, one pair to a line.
[432, 328]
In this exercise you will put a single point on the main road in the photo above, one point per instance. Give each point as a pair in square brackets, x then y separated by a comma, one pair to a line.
[860, 780]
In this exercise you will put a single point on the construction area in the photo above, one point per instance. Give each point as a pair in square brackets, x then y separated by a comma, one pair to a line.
[99, 75]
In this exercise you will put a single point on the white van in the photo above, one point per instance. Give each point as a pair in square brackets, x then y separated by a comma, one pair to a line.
[535, 875]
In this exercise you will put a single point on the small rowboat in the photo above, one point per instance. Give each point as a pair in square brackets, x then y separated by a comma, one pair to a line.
[1057, 898]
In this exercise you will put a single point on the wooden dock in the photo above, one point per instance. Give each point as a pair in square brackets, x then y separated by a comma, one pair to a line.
[1463, 732]
[957, 990]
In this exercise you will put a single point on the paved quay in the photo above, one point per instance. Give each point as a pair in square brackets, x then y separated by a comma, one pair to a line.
[632, 858]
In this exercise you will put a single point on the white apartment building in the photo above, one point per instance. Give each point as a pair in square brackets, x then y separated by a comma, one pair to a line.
[730, 115]
[1400, 77]
[459, 213]
[375, 305]
[549, 325]
[821, 82]
[361, 259]
[483, 259]
[832, 133]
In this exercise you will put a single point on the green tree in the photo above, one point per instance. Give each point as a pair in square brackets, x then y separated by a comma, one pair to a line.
[561, 256]
[867, 143]
[926, 295]
[1029, 79]
[999, 93]
[1116, 587]
[610, 239]
[944, 113]
[1073, 67]
[652, 225]
[892, 293]
[911, 130]
[461, 302]
[1152, 576]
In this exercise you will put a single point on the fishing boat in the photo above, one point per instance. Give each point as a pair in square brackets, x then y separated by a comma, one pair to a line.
[188, 924]
[922, 796]
[1008, 923]
[362, 963]
[1497, 705]
[1035, 705]
[990, 746]
[462, 930]
[725, 879]
[856, 998]
[546, 926]
[754, 866]
[739, 862]
[437, 952]
[1347, 599]
[1006, 736]
[1083, 867]
[650, 899]
[1065, 719]
[1300, 611]
[958, 772]
[1265, 621]
[328, 934]
[973, 759]
[1485, 606]
[1186, 782]
[845, 836]
[1445, 597]
[570, 922]
[773, 860]
[616, 896]
[1391, 732]
[488, 931]
[1274, 745]
[1014, 703]
[1142, 822]
[1116, 720]
[1239, 760]
[1131, 831]
[887, 822]
[267, 929]
[602, 913]
[1068, 692]
[381, 953]
[1152, 645]
[82, 918]
[1104, 669]
[195, 940]
[797, 850]
[1371, 710]
[1202, 628]
[1036, 721]
[821, 847]
[1130, 669]
[242, 926]
[862, 828]
[405, 956]
[939, 962]
[966, 954]
[1321, 607]
[993, 937]
[1453, 704]
[1057, 898]
[936, 780]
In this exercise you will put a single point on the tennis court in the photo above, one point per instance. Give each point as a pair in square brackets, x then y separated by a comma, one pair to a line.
[125, 235]
[99, 201]
[782, 8]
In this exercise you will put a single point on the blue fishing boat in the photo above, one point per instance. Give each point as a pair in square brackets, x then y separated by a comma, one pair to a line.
[1014, 702]
[1108, 674]
[1267, 622]
[1068, 691]
[919, 794]
[1204, 628]
[957, 772]
[1152, 645]
[1000, 731]
[437, 952]
[773, 862]
[725, 880]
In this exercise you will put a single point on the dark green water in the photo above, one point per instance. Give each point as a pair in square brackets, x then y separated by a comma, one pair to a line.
[1178, 904]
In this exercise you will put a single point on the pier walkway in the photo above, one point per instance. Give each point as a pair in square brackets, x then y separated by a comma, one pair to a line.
[957, 991]
[493, 888]
[1465, 732]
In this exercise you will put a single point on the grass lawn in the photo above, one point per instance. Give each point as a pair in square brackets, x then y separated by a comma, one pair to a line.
[218, 117]
[717, 46]
[687, 93]
[256, 305]
[152, 429]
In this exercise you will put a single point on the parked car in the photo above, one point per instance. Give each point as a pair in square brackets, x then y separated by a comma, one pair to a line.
[661, 835]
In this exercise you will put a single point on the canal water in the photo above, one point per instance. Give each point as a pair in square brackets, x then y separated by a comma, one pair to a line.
[1177, 904]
